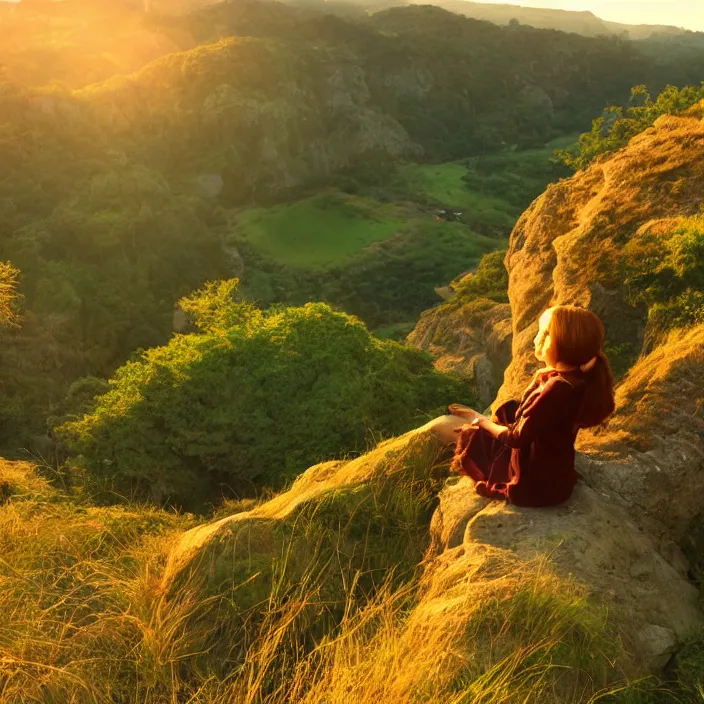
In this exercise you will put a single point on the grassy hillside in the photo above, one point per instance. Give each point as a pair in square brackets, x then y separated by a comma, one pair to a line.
[319, 232]
[317, 596]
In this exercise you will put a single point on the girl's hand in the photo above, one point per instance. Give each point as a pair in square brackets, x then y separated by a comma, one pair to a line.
[457, 409]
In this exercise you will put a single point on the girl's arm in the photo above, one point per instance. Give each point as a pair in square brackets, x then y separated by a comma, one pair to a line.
[487, 424]
[543, 414]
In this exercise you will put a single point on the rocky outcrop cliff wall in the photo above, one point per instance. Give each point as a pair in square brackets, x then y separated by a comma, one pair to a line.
[565, 248]
[472, 339]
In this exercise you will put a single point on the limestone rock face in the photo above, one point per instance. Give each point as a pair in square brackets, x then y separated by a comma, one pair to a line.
[565, 246]
[471, 339]
[591, 539]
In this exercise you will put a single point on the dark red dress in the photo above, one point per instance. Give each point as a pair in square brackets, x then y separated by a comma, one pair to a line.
[532, 462]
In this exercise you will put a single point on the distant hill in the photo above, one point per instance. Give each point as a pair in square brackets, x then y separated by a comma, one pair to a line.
[585, 23]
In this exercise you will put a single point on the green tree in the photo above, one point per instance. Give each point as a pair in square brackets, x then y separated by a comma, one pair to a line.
[218, 306]
[490, 280]
[236, 409]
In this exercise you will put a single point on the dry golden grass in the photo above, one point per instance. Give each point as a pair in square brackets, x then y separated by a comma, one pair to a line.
[86, 619]
[20, 479]
[661, 395]
[8, 294]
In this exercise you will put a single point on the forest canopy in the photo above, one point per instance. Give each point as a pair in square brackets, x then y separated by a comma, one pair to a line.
[251, 402]
[127, 164]
[618, 125]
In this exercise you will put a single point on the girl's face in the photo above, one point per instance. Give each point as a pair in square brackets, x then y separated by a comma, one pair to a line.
[542, 339]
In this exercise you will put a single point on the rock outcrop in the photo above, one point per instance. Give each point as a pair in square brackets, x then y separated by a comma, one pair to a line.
[565, 248]
[469, 338]
[648, 463]
[475, 544]
[591, 539]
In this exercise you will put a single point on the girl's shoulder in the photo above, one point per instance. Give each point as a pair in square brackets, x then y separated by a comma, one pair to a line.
[549, 377]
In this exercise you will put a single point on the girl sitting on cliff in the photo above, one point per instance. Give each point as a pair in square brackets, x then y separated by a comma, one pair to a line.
[526, 454]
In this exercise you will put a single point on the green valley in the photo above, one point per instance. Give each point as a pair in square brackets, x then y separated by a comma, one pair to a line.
[324, 231]
[381, 251]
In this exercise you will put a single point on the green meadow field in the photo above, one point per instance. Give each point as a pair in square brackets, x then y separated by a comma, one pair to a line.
[319, 232]
[381, 251]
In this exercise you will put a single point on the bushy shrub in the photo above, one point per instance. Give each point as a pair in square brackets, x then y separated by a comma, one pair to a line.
[617, 126]
[234, 409]
[666, 273]
[490, 280]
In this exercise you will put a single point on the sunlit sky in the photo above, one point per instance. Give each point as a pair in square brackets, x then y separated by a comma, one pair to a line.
[680, 13]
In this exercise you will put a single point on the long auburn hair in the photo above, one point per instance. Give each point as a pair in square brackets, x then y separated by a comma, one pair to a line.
[577, 336]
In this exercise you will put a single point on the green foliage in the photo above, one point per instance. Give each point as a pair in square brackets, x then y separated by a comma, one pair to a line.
[490, 191]
[218, 306]
[112, 120]
[397, 331]
[490, 280]
[8, 294]
[396, 280]
[105, 248]
[689, 672]
[616, 128]
[452, 186]
[336, 254]
[107, 260]
[666, 273]
[515, 177]
[621, 357]
[252, 405]
[497, 86]
[81, 398]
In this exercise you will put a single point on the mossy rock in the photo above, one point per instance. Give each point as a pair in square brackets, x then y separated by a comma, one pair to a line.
[374, 501]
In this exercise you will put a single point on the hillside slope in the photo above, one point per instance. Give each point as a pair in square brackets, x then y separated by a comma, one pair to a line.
[120, 196]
